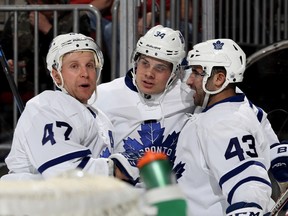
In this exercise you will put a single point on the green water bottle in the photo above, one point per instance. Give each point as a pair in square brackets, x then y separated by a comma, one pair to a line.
[162, 190]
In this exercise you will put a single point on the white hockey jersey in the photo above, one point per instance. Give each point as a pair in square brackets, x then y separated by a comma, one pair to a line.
[141, 124]
[57, 133]
[222, 158]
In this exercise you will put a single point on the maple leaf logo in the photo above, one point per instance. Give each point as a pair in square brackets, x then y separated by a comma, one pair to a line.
[106, 153]
[152, 138]
[179, 169]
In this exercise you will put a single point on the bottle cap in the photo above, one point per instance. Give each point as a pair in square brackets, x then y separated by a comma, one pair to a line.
[150, 157]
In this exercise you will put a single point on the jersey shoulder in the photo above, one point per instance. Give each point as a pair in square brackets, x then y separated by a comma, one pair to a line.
[114, 85]
[55, 101]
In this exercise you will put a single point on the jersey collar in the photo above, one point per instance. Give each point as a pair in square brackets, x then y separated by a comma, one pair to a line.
[129, 81]
[239, 97]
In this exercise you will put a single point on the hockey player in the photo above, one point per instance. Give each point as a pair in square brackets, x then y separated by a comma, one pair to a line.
[58, 131]
[147, 107]
[224, 151]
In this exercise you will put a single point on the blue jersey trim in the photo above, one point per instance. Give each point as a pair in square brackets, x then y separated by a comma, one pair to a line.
[240, 205]
[63, 158]
[277, 144]
[84, 162]
[129, 80]
[237, 170]
[243, 181]
[259, 113]
[239, 97]
[92, 112]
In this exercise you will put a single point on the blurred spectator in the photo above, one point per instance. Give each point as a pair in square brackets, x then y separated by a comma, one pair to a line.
[26, 49]
[80, 1]
[26, 41]
[180, 5]
[105, 7]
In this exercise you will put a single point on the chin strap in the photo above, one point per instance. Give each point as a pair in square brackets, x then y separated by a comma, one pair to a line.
[93, 98]
[205, 101]
[62, 82]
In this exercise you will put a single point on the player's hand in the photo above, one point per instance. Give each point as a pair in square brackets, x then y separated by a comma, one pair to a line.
[124, 167]
[279, 162]
[118, 174]
[10, 63]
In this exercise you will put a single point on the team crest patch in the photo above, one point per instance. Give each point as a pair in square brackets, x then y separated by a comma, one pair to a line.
[151, 138]
[218, 45]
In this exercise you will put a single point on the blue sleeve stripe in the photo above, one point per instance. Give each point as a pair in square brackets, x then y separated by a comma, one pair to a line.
[252, 178]
[276, 144]
[63, 158]
[240, 205]
[84, 162]
[238, 170]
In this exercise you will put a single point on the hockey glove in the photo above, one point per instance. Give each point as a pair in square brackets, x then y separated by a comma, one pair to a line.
[279, 161]
[125, 162]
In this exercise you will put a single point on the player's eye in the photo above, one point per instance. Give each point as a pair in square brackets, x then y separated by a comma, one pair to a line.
[91, 66]
[144, 63]
[74, 66]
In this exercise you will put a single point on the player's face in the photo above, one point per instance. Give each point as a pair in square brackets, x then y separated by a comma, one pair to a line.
[152, 74]
[195, 82]
[79, 74]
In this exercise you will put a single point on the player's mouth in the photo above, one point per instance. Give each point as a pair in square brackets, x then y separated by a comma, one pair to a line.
[147, 84]
[85, 85]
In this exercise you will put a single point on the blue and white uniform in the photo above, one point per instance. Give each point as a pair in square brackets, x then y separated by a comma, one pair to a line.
[145, 124]
[228, 148]
[57, 133]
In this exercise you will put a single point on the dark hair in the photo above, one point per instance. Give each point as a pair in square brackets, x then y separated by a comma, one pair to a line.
[217, 69]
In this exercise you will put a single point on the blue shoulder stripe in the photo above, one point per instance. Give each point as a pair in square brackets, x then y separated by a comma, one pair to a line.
[259, 113]
[64, 158]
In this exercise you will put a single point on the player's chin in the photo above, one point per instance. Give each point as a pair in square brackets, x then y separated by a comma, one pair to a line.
[83, 97]
[198, 101]
[146, 90]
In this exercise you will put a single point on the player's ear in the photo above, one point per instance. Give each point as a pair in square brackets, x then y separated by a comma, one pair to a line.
[219, 78]
[56, 76]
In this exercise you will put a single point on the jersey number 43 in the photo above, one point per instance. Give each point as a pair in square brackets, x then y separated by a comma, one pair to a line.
[235, 148]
